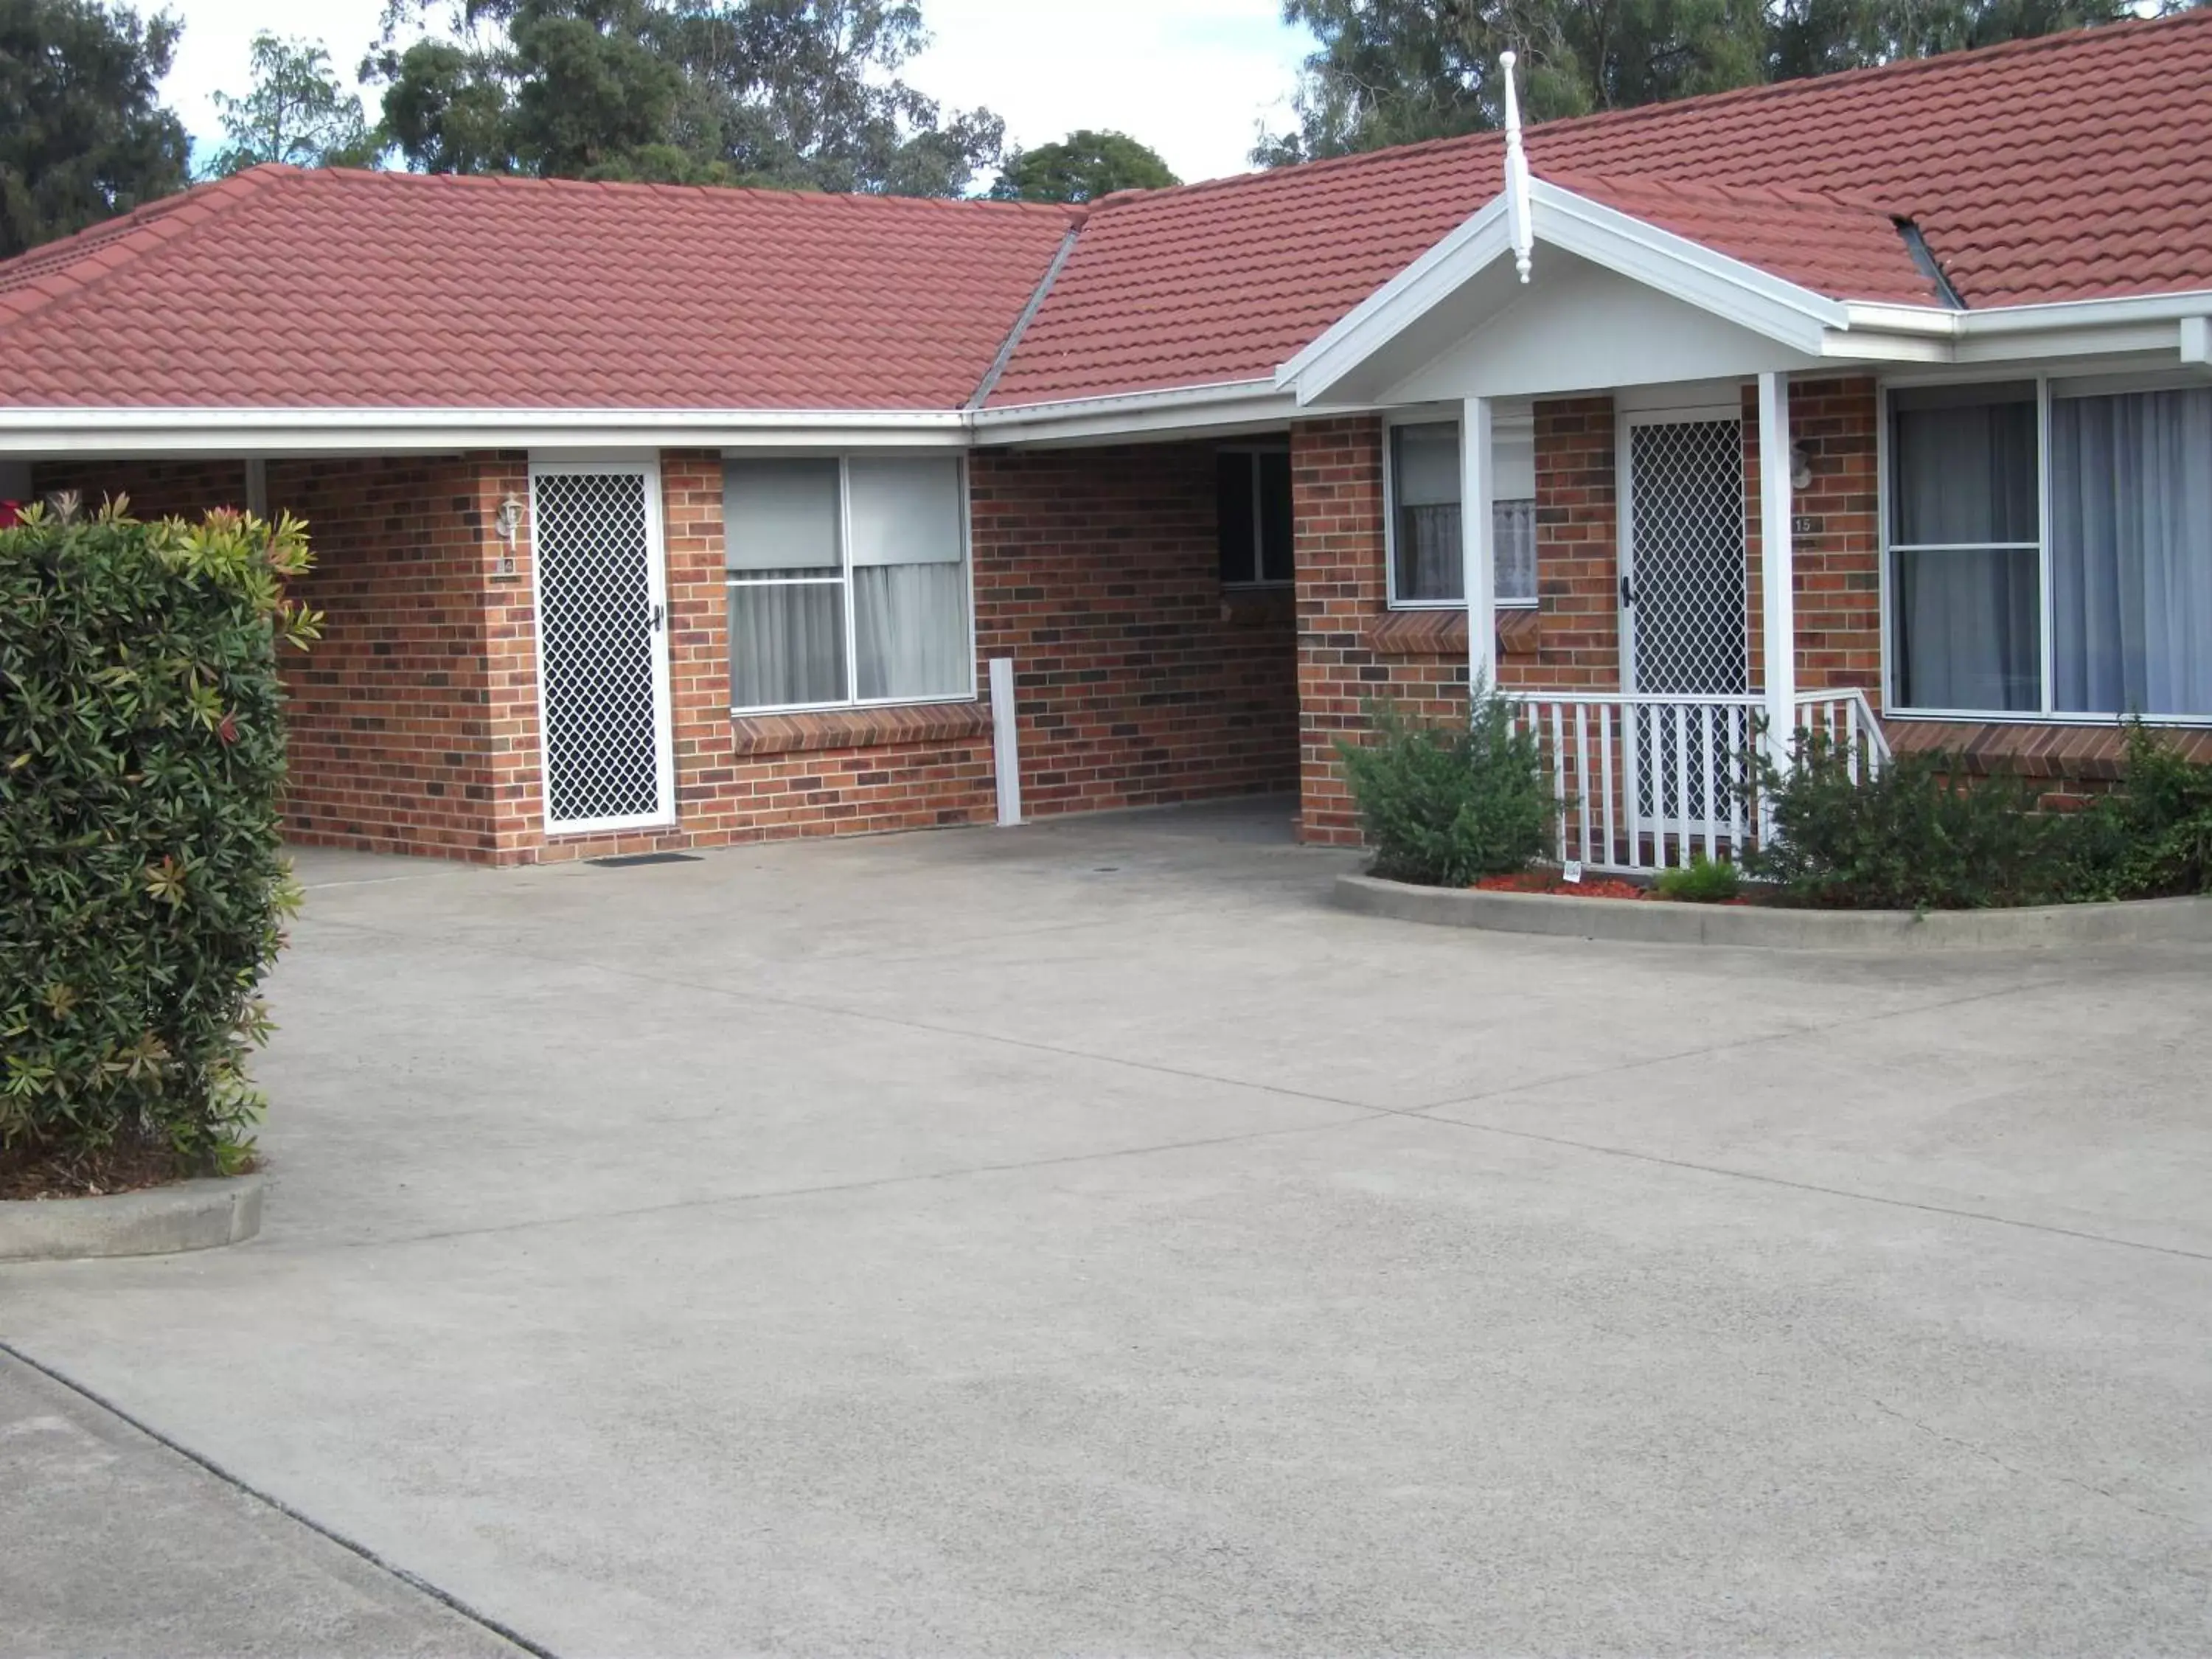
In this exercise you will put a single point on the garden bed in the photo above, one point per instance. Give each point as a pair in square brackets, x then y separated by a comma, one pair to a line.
[1552, 882]
[1654, 920]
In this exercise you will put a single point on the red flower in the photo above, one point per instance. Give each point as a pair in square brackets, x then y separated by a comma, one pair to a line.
[226, 729]
[11, 514]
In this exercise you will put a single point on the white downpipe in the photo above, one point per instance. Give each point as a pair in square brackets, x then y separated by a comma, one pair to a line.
[1476, 532]
[1778, 565]
[1005, 744]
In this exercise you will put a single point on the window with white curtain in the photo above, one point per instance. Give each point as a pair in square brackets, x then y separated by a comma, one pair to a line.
[1426, 564]
[2104, 610]
[847, 582]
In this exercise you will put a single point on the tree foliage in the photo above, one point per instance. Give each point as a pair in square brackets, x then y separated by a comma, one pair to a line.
[295, 112]
[143, 883]
[1397, 71]
[1081, 168]
[803, 94]
[82, 133]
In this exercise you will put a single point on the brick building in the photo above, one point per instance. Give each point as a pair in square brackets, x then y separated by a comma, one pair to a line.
[651, 518]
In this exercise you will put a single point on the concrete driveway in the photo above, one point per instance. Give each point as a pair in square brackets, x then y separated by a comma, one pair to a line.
[1081, 1240]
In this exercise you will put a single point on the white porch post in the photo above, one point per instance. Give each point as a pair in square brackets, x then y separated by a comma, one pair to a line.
[1476, 532]
[1777, 565]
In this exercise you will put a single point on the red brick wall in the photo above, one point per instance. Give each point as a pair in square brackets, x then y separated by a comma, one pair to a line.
[1352, 648]
[739, 781]
[416, 719]
[1139, 679]
[390, 731]
[1837, 565]
[387, 713]
[1578, 547]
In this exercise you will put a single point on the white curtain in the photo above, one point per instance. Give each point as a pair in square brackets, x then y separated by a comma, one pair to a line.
[1968, 623]
[1424, 480]
[910, 629]
[781, 521]
[910, 584]
[1968, 633]
[2131, 553]
[787, 644]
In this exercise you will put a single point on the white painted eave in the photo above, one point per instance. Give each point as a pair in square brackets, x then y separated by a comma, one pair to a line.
[1210, 408]
[52, 431]
[2156, 322]
[184, 432]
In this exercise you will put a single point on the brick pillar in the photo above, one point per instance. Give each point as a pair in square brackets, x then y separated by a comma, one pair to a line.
[1577, 545]
[1336, 513]
[698, 641]
[1837, 561]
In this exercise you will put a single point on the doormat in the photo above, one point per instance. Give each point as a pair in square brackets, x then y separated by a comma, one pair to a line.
[628, 859]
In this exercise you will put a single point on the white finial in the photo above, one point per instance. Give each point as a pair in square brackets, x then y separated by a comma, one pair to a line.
[1516, 175]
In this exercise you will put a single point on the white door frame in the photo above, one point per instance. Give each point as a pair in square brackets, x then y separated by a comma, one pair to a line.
[656, 579]
[1624, 471]
[1659, 822]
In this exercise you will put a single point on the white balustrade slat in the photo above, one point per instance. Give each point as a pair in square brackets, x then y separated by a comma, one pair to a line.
[1583, 780]
[1604, 750]
[1705, 784]
[1681, 751]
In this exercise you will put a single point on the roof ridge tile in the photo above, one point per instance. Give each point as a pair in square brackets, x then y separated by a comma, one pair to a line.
[164, 221]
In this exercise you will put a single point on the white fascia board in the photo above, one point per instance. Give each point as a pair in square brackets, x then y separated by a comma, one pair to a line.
[2065, 328]
[1473, 245]
[1766, 304]
[1135, 414]
[64, 431]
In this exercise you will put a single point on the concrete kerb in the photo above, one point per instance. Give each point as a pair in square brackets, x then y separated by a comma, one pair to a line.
[1660, 921]
[192, 1215]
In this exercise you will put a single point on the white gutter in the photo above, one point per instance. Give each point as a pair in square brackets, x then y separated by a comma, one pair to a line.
[83, 431]
[2044, 315]
[385, 431]
[1256, 402]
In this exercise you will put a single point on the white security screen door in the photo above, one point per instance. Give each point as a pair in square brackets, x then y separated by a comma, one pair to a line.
[1685, 610]
[602, 646]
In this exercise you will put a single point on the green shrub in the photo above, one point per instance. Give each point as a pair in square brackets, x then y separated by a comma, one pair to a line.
[2152, 836]
[142, 880]
[1702, 881]
[1443, 805]
[1911, 836]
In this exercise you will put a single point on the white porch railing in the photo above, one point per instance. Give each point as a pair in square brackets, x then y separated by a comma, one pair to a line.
[1645, 782]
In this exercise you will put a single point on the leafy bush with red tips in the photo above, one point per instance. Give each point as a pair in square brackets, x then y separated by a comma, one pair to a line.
[142, 882]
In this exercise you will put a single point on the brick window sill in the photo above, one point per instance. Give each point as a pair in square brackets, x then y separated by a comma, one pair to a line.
[858, 728]
[2024, 749]
[1439, 633]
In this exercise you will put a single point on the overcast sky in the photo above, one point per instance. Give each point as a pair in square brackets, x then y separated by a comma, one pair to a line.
[1192, 78]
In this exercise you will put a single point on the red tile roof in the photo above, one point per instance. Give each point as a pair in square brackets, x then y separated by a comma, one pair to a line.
[287, 288]
[2071, 167]
[1828, 244]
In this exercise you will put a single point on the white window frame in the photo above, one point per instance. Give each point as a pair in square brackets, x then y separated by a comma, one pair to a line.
[1281, 447]
[2048, 388]
[1391, 422]
[732, 581]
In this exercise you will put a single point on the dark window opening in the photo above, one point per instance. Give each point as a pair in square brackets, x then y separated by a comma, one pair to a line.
[1253, 512]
